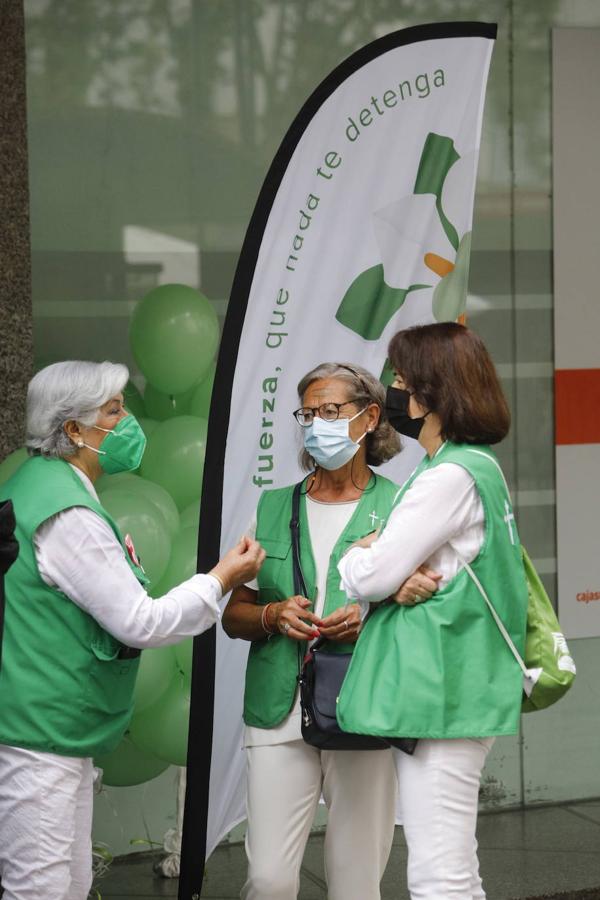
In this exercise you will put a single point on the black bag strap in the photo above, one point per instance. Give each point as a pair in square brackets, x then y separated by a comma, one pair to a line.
[9, 550]
[299, 582]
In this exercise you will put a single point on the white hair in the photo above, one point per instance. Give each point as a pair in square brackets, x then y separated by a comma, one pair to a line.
[68, 390]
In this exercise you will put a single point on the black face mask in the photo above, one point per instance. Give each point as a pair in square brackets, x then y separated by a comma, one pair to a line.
[396, 409]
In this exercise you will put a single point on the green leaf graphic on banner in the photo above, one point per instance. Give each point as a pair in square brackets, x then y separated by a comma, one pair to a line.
[369, 303]
[437, 158]
[388, 376]
[450, 294]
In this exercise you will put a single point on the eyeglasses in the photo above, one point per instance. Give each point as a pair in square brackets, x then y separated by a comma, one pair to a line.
[327, 411]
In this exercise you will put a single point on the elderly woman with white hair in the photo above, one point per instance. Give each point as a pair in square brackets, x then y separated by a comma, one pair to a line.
[77, 617]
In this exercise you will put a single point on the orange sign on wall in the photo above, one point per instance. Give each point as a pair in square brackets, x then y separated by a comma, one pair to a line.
[577, 404]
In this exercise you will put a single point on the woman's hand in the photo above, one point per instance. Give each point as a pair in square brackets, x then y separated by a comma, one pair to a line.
[288, 617]
[420, 586]
[342, 625]
[240, 564]
[365, 541]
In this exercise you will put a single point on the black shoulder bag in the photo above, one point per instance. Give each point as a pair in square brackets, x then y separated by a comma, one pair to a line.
[321, 675]
[9, 550]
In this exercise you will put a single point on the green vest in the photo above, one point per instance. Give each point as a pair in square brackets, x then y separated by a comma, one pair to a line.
[441, 669]
[273, 662]
[62, 687]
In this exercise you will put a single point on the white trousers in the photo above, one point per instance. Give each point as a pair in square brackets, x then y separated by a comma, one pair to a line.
[438, 794]
[45, 825]
[285, 782]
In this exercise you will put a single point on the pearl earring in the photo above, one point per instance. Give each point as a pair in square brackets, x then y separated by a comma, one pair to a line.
[80, 443]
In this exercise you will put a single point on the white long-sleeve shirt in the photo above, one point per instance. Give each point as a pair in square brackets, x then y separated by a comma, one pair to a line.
[441, 513]
[77, 553]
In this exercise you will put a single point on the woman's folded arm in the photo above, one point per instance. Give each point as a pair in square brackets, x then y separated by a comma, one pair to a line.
[436, 508]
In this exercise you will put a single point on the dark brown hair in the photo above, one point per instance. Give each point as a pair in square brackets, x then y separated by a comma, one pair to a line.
[450, 372]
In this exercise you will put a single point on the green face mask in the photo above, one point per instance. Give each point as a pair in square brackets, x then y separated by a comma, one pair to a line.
[123, 447]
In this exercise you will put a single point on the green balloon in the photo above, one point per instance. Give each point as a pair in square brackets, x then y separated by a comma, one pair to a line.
[156, 671]
[12, 462]
[142, 487]
[174, 334]
[147, 425]
[128, 765]
[200, 400]
[184, 653]
[166, 406]
[162, 500]
[182, 562]
[162, 729]
[174, 458]
[190, 516]
[138, 516]
[133, 400]
[121, 480]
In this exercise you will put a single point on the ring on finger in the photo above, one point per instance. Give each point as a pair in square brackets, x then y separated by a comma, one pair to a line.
[345, 623]
[416, 598]
[286, 627]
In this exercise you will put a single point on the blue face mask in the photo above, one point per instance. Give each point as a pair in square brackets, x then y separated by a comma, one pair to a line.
[329, 443]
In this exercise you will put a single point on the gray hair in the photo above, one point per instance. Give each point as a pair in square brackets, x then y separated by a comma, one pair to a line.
[381, 444]
[68, 390]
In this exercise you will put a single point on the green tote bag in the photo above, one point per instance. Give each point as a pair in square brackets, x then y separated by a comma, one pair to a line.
[548, 667]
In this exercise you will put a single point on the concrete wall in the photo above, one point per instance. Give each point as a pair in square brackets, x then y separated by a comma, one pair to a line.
[16, 347]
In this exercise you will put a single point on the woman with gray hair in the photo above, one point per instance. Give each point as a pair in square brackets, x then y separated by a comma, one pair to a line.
[341, 500]
[77, 617]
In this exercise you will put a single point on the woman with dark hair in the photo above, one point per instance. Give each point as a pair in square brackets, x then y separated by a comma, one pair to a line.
[440, 671]
[344, 433]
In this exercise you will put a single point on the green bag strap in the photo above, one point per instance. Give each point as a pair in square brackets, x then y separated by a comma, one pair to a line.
[530, 676]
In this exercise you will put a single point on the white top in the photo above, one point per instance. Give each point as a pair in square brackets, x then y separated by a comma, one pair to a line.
[441, 511]
[77, 553]
[326, 522]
